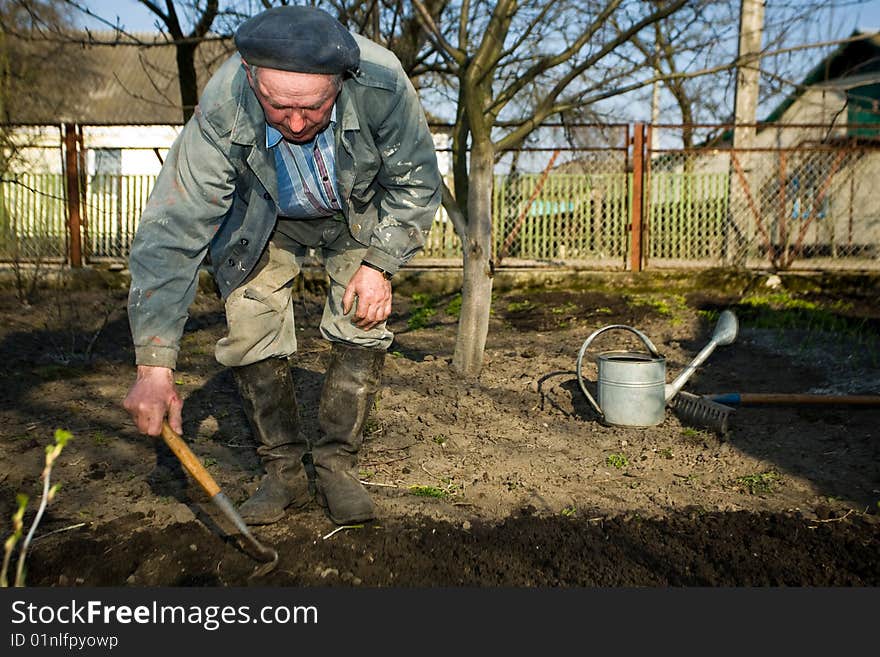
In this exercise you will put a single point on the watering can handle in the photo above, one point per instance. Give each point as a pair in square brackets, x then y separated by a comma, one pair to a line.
[644, 338]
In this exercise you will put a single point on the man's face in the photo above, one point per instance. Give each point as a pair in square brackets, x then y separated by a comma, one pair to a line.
[298, 105]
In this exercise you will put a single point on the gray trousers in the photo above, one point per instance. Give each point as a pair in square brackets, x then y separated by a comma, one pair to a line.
[259, 313]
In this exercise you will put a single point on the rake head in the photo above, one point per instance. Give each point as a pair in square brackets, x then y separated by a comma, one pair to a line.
[701, 412]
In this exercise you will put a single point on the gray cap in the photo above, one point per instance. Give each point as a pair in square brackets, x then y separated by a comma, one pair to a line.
[300, 39]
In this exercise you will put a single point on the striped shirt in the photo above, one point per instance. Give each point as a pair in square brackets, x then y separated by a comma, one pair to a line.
[306, 174]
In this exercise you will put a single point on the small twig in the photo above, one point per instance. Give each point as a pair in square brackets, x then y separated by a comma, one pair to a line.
[339, 529]
[389, 449]
[843, 517]
[58, 531]
[440, 479]
[376, 483]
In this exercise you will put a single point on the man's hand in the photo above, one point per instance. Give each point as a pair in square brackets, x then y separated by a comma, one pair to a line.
[151, 398]
[373, 292]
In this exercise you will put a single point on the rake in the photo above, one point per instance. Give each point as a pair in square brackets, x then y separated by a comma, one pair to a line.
[713, 411]
[702, 412]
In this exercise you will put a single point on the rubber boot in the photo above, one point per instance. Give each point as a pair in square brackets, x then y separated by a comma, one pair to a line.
[350, 386]
[269, 400]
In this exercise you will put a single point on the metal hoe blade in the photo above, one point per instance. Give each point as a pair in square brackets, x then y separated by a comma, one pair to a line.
[251, 545]
[191, 463]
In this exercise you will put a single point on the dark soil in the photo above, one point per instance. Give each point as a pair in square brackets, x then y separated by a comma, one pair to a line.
[509, 480]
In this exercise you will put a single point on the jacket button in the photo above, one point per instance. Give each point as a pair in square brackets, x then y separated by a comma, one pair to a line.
[356, 227]
[267, 196]
[231, 262]
[243, 242]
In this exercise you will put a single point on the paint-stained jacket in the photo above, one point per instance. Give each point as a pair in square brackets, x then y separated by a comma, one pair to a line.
[218, 190]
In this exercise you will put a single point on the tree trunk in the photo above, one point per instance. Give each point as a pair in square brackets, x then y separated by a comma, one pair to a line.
[476, 292]
[186, 67]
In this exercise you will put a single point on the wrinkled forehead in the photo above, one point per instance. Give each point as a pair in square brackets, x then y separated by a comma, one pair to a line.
[290, 88]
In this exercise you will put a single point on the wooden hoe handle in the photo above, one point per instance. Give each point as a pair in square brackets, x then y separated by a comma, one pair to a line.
[189, 460]
[794, 398]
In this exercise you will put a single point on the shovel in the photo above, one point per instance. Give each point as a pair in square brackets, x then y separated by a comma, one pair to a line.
[190, 461]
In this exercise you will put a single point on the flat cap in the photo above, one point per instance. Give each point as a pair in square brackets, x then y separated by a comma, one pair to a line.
[300, 39]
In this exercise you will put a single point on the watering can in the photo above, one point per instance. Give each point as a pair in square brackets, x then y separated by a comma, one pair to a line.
[631, 385]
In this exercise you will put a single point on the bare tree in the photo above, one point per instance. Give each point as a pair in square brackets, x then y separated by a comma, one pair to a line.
[516, 64]
[703, 35]
[394, 24]
[186, 43]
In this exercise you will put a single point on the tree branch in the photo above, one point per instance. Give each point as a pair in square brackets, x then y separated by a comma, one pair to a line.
[430, 26]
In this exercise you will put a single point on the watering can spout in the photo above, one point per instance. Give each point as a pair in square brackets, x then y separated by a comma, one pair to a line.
[725, 333]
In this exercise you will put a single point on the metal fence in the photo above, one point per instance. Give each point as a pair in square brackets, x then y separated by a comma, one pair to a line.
[802, 197]
[33, 218]
[34, 222]
[112, 207]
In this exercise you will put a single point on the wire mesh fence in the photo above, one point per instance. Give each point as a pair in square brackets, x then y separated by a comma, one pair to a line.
[800, 197]
[33, 218]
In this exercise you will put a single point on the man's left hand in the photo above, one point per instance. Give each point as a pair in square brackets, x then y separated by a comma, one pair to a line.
[373, 292]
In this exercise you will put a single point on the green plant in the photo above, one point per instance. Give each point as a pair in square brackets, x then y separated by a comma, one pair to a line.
[665, 305]
[49, 491]
[440, 439]
[429, 491]
[569, 512]
[423, 310]
[666, 453]
[759, 484]
[453, 308]
[372, 426]
[618, 461]
[519, 306]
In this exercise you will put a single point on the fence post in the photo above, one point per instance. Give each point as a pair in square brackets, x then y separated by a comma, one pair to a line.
[74, 219]
[636, 219]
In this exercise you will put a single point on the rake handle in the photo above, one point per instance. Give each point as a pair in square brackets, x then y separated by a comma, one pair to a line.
[189, 460]
[735, 399]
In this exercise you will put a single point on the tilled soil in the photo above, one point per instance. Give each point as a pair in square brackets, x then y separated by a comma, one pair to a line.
[508, 480]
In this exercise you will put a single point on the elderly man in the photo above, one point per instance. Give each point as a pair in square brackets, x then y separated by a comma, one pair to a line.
[309, 137]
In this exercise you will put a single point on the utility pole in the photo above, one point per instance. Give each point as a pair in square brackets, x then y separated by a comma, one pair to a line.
[751, 27]
[655, 116]
[655, 94]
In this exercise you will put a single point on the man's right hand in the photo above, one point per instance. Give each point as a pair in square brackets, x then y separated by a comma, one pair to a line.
[153, 397]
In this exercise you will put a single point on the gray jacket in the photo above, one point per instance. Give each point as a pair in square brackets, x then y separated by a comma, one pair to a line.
[218, 191]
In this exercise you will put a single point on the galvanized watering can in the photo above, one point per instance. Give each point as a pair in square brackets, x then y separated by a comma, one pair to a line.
[631, 385]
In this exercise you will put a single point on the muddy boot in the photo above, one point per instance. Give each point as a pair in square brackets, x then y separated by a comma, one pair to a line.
[269, 401]
[350, 386]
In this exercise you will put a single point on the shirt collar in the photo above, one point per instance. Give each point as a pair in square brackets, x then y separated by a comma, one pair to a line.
[273, 137]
